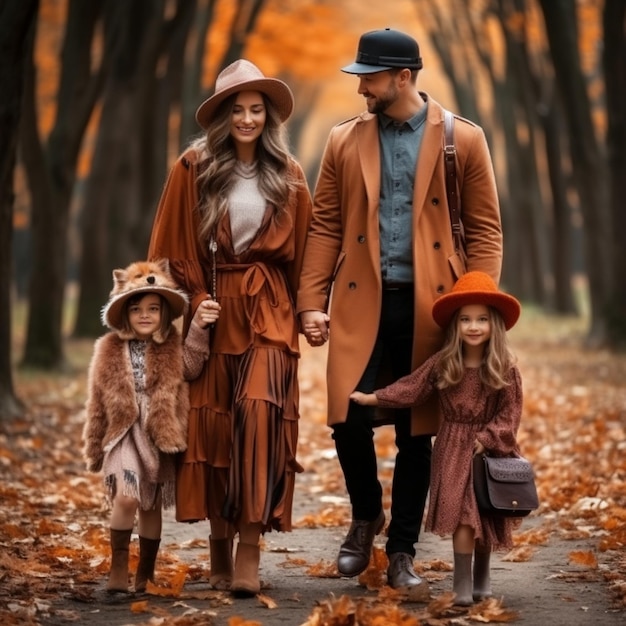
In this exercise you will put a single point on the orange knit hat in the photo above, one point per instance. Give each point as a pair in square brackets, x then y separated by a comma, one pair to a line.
[476, 288]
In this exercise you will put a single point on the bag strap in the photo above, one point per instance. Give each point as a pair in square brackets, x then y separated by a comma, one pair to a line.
[452, 184]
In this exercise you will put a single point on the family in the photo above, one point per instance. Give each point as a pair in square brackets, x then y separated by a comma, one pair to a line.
[203, 416]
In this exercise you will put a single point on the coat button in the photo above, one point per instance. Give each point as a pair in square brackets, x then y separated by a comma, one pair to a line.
[440, 289]
[361, 238]
[436, 245]
[435, 201]
[351, 285]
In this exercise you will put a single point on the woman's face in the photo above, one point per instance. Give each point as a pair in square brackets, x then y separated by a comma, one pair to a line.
[248, 117]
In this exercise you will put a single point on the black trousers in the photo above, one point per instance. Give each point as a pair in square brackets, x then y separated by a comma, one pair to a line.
[354, 439]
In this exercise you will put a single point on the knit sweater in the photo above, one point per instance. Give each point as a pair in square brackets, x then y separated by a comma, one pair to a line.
[246, 206]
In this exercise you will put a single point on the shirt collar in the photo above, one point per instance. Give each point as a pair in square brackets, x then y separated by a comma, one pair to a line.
[413, 122]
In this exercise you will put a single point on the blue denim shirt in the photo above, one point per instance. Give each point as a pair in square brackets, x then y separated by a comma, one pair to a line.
[399, 148]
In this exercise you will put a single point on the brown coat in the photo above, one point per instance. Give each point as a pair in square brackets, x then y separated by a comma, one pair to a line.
[344, 240]
[112, 405]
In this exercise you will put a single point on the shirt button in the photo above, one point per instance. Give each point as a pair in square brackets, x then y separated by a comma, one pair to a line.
[435, 201]
[440, 289]
[361, 238]
[352, 286]
[436, 245]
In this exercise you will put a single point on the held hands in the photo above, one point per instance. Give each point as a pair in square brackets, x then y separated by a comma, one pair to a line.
[314, 325]
[366, 399]
[207, 313]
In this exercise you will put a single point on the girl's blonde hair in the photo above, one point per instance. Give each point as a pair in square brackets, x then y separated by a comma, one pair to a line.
[497, 358]
[218, 159]
[160, 335]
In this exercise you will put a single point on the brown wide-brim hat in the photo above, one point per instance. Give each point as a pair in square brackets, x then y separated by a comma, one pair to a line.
[476, 288]
[142, 278]
[242, 75]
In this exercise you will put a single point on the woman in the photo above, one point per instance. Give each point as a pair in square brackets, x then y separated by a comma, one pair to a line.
[232, 221]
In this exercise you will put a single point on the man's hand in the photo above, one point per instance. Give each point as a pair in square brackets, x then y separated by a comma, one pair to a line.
[314, 325]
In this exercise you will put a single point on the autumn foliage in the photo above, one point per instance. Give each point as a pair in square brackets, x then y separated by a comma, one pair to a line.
[54, 521]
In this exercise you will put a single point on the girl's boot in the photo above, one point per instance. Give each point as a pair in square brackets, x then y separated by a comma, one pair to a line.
[246, 578]
[118, 576]
[462, 577]
[148, 550]
[221, 563]
[482, 578]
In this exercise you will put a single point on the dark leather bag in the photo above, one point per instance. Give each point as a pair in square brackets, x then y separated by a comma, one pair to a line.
[504, 486]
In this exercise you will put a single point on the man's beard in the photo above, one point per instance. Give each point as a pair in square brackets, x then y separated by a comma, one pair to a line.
[382, 103]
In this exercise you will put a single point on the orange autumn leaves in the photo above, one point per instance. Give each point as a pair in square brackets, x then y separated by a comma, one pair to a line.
[53, 519]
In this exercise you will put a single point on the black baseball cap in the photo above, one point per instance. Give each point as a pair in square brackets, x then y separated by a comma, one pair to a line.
[385, 49]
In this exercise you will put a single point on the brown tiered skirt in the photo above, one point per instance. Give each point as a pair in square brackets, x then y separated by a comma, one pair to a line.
[243, 431]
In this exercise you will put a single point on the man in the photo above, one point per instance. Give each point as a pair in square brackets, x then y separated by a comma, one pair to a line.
[381, 238]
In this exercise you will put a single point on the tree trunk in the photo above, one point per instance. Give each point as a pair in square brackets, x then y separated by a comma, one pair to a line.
[17, 34]
[51, 174]
[614, 63]
[122, 191]
[588, 162]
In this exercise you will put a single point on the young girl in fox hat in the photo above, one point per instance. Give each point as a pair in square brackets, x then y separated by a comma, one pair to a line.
[480, 398]
[138, 404]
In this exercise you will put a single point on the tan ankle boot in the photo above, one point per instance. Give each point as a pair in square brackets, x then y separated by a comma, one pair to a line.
[118, 576]
[221, 563]
[246, 579]
[148, 550]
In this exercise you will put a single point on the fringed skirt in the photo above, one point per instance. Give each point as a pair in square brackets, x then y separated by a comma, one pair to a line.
[240, 464]
[135, 468]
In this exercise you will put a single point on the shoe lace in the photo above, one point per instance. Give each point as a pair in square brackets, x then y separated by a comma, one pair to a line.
[402, 561]
[357, 531]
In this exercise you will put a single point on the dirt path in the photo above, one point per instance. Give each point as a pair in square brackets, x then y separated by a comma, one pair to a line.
[546, 589]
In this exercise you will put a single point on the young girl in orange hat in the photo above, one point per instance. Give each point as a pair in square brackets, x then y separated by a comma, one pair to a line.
[138, 404]
[480, 398]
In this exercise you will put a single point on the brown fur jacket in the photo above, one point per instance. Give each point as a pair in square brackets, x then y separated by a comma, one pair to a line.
[112, 406]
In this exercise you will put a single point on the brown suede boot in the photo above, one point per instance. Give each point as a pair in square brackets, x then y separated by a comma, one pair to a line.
[148, 550]
[221, 575]
[118, 576]
[246, 579]
[462, 577]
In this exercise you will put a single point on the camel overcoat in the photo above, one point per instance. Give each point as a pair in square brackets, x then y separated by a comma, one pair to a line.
[343, 246]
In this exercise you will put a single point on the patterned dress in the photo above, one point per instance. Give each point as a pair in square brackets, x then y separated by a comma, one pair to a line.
[469, 411]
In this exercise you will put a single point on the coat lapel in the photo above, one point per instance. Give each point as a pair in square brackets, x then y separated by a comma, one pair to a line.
[430, 154]
[369, 157]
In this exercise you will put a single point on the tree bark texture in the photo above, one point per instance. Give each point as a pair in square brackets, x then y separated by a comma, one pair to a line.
[51, 174]
[17, 33]
[588, 161]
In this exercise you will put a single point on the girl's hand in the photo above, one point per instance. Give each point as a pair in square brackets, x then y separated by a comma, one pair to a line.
[366, 399]
[207, 313]
[478, 448]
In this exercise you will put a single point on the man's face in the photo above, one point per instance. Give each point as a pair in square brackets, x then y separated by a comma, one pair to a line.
[379, 89]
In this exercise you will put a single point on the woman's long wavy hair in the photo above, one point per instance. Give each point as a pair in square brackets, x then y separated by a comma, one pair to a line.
[497, 358]
[218, 159]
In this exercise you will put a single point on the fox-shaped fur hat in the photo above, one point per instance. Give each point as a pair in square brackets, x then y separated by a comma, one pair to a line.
[142, 277]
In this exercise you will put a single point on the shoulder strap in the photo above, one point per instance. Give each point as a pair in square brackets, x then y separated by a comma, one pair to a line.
[452, 185]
